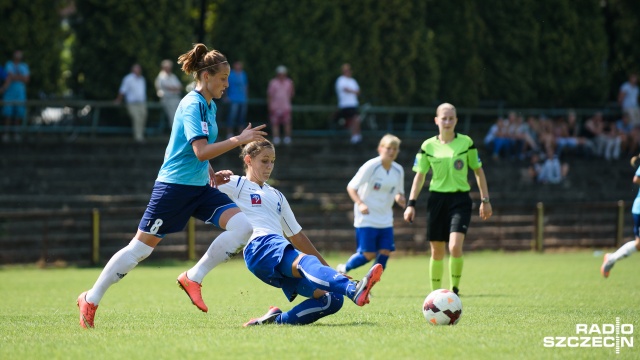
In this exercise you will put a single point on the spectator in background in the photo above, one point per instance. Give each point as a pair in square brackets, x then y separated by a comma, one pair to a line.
[237, 96]
[279, 95]
[628, 98]
[548, 170]
[594, 131]
[134, 91]
[169, 90]
[566, 132]
[629, 134]
[347, 89]
[498, 140]
[15, 89]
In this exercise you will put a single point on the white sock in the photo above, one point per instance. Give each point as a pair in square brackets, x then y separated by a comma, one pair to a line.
[624, 251]
[118, 266]
[225, 246]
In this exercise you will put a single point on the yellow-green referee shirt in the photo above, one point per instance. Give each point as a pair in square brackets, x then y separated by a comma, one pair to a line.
[449, 163]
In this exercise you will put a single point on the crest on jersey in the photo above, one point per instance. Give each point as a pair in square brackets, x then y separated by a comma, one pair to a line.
[458, 164]
[377, 186]
[256, 200]
[205, 127]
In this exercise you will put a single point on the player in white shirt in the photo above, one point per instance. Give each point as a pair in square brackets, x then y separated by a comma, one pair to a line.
[294, 265]
[375, 187]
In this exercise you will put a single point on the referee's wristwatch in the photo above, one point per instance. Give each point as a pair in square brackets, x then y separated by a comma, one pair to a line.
[485, 200]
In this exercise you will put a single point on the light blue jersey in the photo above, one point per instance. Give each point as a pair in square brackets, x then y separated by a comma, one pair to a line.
[194, 120]
[635, 209]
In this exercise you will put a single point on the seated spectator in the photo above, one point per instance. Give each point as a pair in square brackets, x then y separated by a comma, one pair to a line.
[548, 170]
[612, 141]
[546, 136]
[567, 138]
[499, 140]
[629, 135]
[594, 131]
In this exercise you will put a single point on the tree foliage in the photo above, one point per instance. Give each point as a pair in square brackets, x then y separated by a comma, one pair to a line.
[387, 43]
[403, 52]
[112, 35]
[33, 27]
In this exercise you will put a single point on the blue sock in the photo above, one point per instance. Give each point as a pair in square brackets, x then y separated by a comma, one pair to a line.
[382, 260]
[324, 277]
[311, 310]
[355, 261]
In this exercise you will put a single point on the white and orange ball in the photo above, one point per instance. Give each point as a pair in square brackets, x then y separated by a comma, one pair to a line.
[442, 307]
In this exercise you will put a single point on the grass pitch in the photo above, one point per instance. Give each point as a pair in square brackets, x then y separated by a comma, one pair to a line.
[511, 301]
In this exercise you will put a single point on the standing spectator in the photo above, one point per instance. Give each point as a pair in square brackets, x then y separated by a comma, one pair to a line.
[628, 98]
[377, 185]
[449, 155]
[237, 96]
[15, 89]
[348, 90]
[134, 91]
[169, 89]
[279, 94]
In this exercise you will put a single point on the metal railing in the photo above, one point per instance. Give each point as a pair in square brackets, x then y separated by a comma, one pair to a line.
[106, 117]
[83, 235]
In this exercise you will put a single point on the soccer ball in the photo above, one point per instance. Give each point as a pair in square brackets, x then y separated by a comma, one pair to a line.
[442, 307]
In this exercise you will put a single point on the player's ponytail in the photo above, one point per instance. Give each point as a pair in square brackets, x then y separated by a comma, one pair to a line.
[200, 59]
[635, 161]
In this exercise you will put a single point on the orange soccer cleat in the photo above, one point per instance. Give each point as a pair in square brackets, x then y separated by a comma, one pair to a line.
[361, 297]
[87, 311]
[194, 290]
[268, 318]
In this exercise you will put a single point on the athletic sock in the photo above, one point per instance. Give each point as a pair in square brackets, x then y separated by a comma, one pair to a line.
[355, 261]
[382, 260]
[455, 270]
[118, 266]
[324, 277]
[436, 268]
[624, 251]
[223, 247]
[311, 310]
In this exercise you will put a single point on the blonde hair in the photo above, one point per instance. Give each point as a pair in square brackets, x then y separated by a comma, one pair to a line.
[391, 140]
[253, 149]
[635, 161]
[445, 106]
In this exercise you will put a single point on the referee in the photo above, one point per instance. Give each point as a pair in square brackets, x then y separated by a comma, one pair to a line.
[448, 155]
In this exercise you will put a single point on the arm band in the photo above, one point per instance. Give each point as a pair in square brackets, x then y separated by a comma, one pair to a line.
[411, 203]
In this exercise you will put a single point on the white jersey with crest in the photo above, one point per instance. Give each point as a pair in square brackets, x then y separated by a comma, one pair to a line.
[267, 209]
[377, 188]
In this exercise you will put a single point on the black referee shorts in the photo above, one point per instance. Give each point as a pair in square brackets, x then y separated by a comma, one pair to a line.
[447, 213]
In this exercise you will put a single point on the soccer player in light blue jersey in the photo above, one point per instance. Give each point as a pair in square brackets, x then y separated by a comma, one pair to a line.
[629, 247]
[292, 264]
[186, 186]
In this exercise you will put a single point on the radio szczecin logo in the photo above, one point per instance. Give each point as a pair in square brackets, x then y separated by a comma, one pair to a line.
[595, 336]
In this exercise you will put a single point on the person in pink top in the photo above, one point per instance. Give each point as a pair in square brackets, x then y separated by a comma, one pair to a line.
[279, 95]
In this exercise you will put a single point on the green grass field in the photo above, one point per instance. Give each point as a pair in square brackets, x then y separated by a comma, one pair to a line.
[511, 302]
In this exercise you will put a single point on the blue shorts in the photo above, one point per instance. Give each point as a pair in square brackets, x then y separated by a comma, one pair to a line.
[171, 206]
[264, 256]
[636, 225]
[14, 111]
[373, 240]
